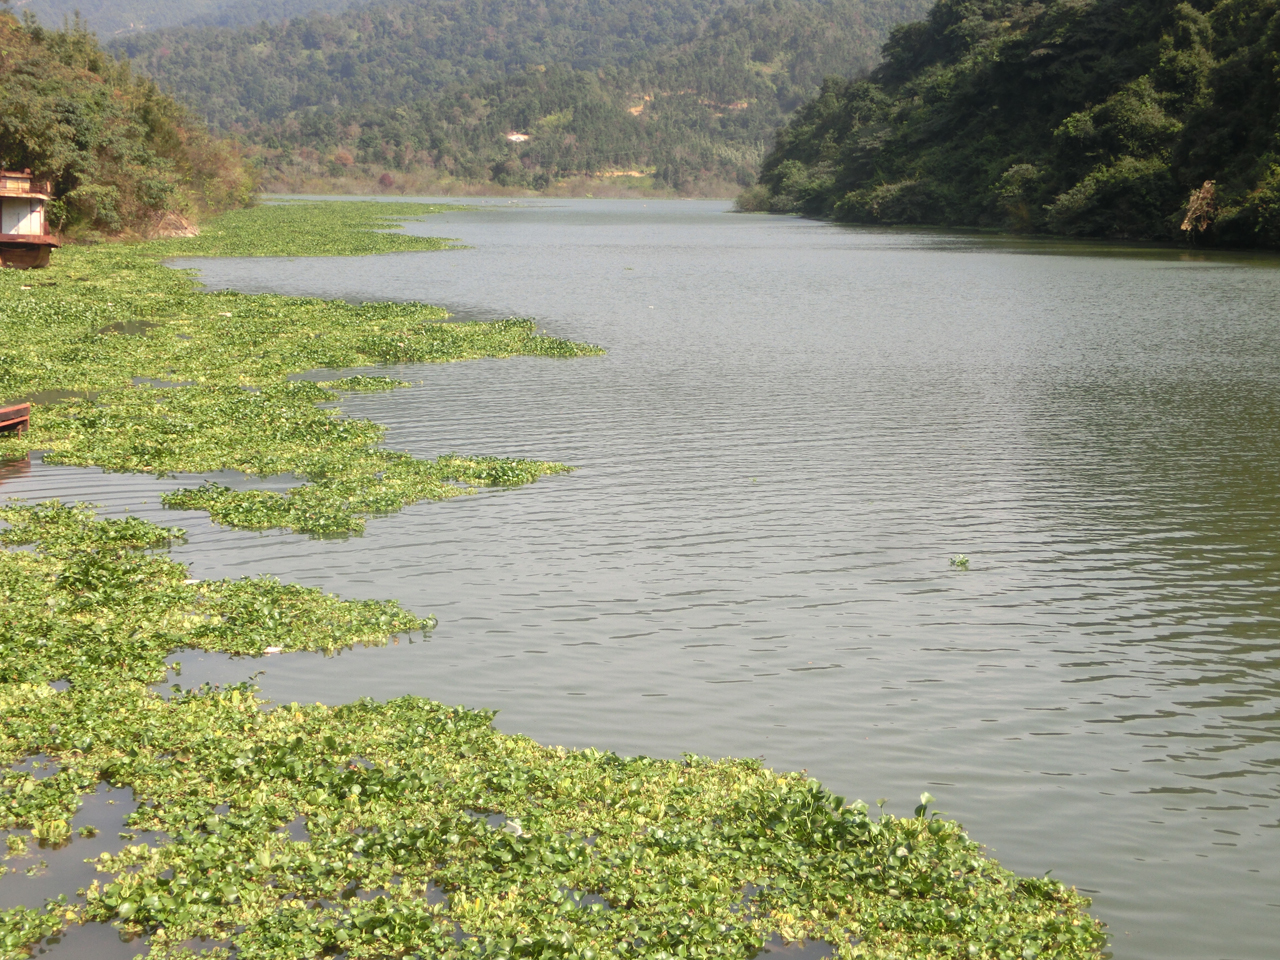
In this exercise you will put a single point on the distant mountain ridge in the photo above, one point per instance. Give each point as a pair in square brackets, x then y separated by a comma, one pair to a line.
[399, 50]
[110, 18]
[688, 90]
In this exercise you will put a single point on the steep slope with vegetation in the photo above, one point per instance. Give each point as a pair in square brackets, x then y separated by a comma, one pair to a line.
[1112, 118]
[686, 90]
[120, 153]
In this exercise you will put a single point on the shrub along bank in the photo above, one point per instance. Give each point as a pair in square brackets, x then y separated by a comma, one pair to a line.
[417, 830]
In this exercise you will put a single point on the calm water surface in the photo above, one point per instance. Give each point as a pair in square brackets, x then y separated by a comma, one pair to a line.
[795, 427]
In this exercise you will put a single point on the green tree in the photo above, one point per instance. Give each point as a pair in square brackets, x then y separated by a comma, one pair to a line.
[119, 153]
[1098, 119]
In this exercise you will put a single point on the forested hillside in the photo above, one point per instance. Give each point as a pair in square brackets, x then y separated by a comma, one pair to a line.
[686, 91]
[109, 18]
[1112, 118]
[120, 153]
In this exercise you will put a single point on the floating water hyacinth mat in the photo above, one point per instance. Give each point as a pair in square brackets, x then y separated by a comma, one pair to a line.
[428, 833]
[132, 367]
[415, 830]
[301, 228]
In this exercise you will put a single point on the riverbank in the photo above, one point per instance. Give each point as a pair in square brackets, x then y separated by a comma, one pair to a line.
[389, 793]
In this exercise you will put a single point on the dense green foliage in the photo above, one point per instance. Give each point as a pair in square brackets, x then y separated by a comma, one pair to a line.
[686, 90]
[583, 855]
[119, 152]
[1096, 118]
[163, 378]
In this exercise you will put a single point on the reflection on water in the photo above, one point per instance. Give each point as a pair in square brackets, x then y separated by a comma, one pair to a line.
[94, 941]
[11, 469]
[44, 871]
[795, 427]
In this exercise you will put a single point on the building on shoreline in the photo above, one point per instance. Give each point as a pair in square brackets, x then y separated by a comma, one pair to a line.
[25, 240]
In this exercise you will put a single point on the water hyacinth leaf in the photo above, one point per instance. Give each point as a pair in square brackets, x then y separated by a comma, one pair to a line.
[111, 327]
[389, 793]
[397, 858]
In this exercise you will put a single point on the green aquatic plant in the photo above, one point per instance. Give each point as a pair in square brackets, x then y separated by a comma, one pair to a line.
[277, 429]
[143, 372]
[689, 858]
[363, 384]
[428, 833]
[961, 561]
[352, 228]
[91, 586]
[23, 926]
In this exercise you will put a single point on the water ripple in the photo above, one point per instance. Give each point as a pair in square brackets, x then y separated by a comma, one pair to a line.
[777, 461]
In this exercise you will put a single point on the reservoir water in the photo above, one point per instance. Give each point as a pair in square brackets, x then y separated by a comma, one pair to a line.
[795, 427]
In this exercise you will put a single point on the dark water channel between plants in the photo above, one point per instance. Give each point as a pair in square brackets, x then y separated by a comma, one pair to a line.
[796, 426]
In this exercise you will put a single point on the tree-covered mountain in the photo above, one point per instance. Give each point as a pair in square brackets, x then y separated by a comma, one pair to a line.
[686, 90]
[113, 17]
[120, 153]
[1110, 118]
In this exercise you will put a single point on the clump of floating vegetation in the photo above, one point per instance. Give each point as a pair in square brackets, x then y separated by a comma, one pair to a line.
[387, 830]
[107, 327]
[308, 229]
[428, 832]
[363, 384]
